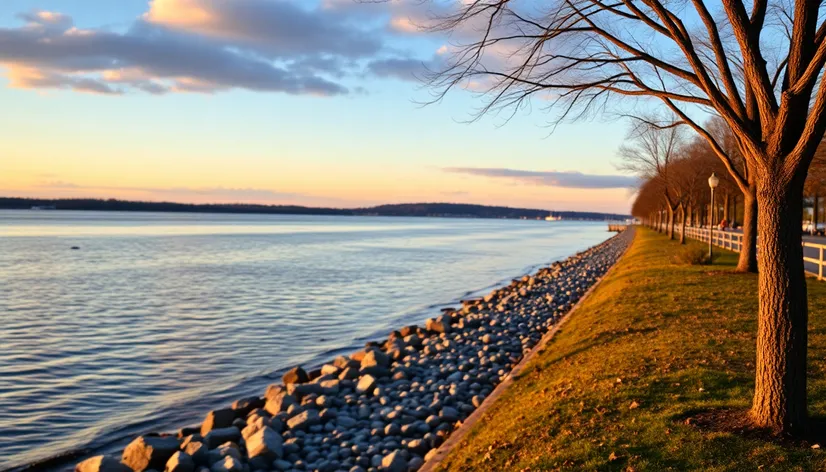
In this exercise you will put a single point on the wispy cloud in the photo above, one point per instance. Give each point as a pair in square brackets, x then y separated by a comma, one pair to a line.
[551, 178]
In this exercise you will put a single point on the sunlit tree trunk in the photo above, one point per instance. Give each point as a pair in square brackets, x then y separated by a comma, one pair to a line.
[780, 383]
[748, 251]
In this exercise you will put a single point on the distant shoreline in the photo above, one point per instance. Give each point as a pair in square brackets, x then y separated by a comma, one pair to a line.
[432, 210]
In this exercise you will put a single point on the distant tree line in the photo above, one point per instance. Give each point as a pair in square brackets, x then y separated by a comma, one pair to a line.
[674, 172]
[448, 210]
[481, 211]
[91, 204]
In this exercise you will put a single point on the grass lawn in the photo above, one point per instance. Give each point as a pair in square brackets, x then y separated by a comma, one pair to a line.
[655, 344]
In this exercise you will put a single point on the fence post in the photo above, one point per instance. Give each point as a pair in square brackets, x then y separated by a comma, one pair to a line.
[820, 265]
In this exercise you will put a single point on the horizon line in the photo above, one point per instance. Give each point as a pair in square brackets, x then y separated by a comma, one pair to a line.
[278, 205]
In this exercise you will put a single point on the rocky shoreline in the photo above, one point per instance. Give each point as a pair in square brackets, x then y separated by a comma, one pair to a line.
[386, 407]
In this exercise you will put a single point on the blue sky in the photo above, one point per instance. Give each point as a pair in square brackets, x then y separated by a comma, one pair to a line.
[269, 101]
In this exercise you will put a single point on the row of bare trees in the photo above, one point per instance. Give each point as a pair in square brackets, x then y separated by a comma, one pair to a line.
[674, 168]
[758, 65]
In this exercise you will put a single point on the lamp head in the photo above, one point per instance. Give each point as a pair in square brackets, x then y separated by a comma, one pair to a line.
[713, 181]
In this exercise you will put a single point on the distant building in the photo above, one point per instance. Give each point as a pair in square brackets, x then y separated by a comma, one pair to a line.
[552, 218]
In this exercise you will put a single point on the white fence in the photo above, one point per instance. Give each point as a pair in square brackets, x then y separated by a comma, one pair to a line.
[734, 242]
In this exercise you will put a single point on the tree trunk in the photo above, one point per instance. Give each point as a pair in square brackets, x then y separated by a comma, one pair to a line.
[748, 250]
[814, 216]
[682, 223]
[671, 214]
[780, 382]
[734, 211]
[725, 206]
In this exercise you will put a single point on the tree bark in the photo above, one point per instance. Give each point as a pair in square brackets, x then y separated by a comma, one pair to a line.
[734, 211]
[780, 382]
[748, 251]
[725, 207]
[684, 214]
[671, 221]
[814, 216]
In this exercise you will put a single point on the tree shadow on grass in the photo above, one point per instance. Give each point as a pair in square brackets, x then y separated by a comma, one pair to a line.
[738, 422]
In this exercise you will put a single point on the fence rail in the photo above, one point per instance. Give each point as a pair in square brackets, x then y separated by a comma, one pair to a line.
[734, 242]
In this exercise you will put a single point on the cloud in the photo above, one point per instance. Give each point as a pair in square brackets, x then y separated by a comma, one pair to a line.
[203, 46]
[147, 57]
[398, 68]
[209, 46]
[551, 179]
[273, 28]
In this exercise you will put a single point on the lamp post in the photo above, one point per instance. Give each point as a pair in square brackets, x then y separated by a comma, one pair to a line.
[713, 182]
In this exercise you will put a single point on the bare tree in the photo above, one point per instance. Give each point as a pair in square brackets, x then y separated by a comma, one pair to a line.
[763, 78]
[688, 179]
[648, 204]
[649, 154]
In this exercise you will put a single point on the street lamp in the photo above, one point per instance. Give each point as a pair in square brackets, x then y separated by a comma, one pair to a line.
[713, 182]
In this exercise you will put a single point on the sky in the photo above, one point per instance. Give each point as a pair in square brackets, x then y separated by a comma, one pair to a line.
[308, 102]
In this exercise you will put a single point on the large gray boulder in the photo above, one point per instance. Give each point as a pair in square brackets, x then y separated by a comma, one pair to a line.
[366, 384]
[216, 437]
[343, 362]
[102, 464]
[197, 450]
[272, 391]
[149, 452]
[375, 358]
[265, 443]
[295, 375]
[180, 462]
[300, 390]
[437, 326]
[304, 420]
[280, 402]
[243, 406]
[228, 464]
[216, 419]
[394, 462]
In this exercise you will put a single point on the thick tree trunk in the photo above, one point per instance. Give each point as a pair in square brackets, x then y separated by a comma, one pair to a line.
[725, 206]
[734, 211]
[671, 221]
[684, 214]
[748, 251]
[780, 382]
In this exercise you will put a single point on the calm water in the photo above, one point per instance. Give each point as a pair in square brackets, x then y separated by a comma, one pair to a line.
[159, 317]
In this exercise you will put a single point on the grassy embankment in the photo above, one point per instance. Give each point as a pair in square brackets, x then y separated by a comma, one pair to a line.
[656, 343]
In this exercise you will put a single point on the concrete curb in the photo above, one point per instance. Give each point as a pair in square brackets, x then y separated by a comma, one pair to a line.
[459, 434]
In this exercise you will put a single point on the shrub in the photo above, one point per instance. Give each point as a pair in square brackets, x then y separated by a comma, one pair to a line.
[694, 255]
